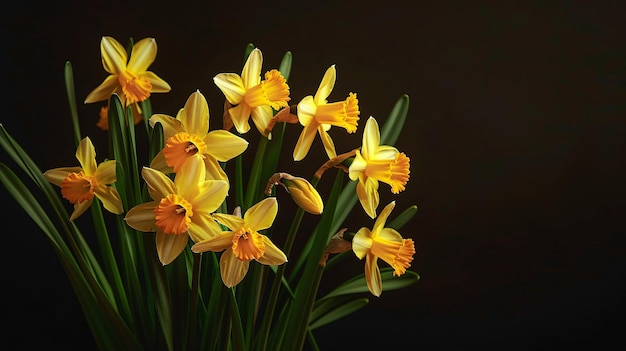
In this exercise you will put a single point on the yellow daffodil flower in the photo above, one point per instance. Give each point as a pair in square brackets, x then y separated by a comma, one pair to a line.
[317, 115]
[375, 162]
[80, 184]
[128, 77]
[181, 209]
[188, 135]
[386, 244]
[251, 96]
[243, 242]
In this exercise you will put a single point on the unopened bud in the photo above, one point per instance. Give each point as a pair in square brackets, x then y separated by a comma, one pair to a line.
[301, 191]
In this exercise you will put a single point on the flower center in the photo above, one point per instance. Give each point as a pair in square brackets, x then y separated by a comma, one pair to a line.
[398, 255]
[248, 245]
[135, 88]
[179, 147]
[343, 114]
[77, 187]
[173, 214]
[393, 172]
[273, 91]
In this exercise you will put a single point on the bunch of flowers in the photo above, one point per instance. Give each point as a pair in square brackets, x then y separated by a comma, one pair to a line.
[194, 260]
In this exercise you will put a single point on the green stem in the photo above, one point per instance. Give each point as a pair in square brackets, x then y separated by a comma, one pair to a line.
[193, 308]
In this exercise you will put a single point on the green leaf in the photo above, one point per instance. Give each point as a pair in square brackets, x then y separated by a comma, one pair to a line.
[71, 99]
[334, 308]
[394, 124]
[402, 218]
[358, 285]
[285, 65]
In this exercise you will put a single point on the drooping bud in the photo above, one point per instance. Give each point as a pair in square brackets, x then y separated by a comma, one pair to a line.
[301, 191]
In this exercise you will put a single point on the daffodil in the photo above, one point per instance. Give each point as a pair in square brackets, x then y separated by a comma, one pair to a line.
[181, 209]
[128, 77]
[251, 96]
[79, 185]
[317, 116]
[188, 135]
[386, 244]
[374, 163]
[243, 243]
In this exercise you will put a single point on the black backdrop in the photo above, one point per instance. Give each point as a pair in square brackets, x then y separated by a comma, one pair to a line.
[515, 134]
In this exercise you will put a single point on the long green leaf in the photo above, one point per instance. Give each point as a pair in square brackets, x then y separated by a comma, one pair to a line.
[358, 284]
[335, 308]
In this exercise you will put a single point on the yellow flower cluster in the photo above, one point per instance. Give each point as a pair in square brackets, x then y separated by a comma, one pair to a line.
[187, 183]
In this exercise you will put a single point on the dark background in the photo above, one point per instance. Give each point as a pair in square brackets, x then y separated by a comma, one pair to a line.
[515, 133]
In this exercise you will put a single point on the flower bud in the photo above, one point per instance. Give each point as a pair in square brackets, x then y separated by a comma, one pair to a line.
[303, 194]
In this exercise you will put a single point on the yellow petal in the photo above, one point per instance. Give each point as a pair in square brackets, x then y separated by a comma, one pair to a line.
[382, 218]
[195, 116]
[357, 167]
[203, 227]
[362, 242]
[224, 145]
[142, 55]
[141, 217]
[329, 146]
[240, 115]
[261, 116]
[104, 90]
[371, 138]
[262, 214]
[86, 155]
[306, 110]
[216, 244]
[169, 246]
[171, 126]
[208, 195]
[251, 73]
[232, 269]
[80, 208]
[303, 145]
[233, 222]
[367, 192]
[213, 169]
[110, 199]
[114, 56]
[273, 256]
[159, 185]
[158, 84]
[231, 86]
[190, 174]
[105, 172]
[372, 275]
[57, 175]
[326, 86]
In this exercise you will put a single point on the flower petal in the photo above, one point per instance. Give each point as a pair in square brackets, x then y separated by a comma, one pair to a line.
[372, 275]
[86, 155]
[105, 172]
[251, 73]
[160, 164]
[231, 86]
[142, 55]
[208, 195]
[57, 175]
[103, 91]
[159, 185]
[114, 56]
[303, 145]
[141, 217]
[170, 125]
[239, 115]
[326, 86]
[224, 145]
[195, 115]
[362, 242]
[262, 214]
[216, 244]
[273, 256]
[232, 269]
[158, 84]
[329, 146]
[110, 199]
[261, 116]
[190, 174]
[367, 192]
[80, 208]
[203, 227]
[371, 138]
[382, 218]
[233, 222]
[169, 246]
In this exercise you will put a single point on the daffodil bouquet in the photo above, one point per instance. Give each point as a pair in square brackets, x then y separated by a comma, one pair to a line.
[184, 252]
